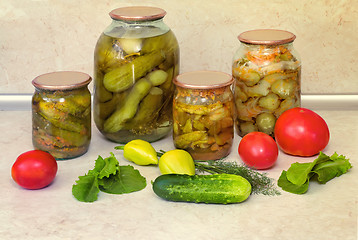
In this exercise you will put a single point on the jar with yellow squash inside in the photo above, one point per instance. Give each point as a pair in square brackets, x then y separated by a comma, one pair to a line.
[135, 60]
[61, 114]
[267, 73]
[203, 114]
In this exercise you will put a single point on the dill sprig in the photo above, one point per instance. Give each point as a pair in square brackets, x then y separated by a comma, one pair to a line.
[260, 182]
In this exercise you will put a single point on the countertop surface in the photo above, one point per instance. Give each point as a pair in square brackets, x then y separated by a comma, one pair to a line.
[325, 212]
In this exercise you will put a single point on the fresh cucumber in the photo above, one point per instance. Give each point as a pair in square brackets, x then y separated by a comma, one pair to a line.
[215, 188]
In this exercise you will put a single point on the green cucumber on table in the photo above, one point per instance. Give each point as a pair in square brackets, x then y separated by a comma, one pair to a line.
[215, 188]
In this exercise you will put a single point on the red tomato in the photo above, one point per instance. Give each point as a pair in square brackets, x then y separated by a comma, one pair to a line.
[258, 150]
[301, 132]
[34, 169]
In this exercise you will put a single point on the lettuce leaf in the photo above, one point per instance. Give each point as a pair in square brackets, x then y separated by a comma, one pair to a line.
[288, 186]
[298, 172]
[334, 167]
[296, 178]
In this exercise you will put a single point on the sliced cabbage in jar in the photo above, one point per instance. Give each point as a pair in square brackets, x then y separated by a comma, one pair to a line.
[271, 78]
[246, 111]
[262, 88]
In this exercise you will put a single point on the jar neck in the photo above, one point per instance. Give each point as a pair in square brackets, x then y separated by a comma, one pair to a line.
[62, 91]
[136, 29]
[266, 46]
[203, 96]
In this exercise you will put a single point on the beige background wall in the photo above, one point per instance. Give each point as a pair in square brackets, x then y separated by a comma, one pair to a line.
[39, 36]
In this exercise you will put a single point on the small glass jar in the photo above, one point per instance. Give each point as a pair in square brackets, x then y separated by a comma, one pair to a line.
[267, 73]
[135, 60]
[203, 110]
[61, 114]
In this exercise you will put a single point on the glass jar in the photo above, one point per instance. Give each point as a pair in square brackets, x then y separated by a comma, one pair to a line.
[135, 60]
[267, 73]
[203, 110]
[61, 114]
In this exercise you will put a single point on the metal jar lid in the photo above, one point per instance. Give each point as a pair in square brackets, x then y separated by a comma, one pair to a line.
[138, 13]
[203, 80]
[63, 80]
[266, 37]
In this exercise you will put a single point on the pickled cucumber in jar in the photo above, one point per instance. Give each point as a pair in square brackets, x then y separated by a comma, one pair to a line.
[136, 58]
[61, 114]
[267, 73]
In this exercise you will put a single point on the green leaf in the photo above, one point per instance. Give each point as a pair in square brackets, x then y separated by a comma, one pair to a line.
[288, 186]
[296, 178]
[335, 167]
[105, 167]
[299, 172]
[86, 188]
[110, 167]
[127, 180]
[322, 158]
[99, 165]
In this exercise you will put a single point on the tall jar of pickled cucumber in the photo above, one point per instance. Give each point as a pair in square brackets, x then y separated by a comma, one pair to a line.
[135, 60]
[61, 114]
[203, 113]
[267, 73]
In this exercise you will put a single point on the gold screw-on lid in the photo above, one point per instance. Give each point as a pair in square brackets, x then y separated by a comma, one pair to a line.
[203, 80]
[266, 37]
[63, 80]
[138, 13]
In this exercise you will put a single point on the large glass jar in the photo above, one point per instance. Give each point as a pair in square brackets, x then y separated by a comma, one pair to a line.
[61, 114]
[135, 60]
[267, 73]
[203, 110]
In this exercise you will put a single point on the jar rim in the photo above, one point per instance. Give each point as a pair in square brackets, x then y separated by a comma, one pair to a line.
[266, 37]
[62, 80]
[137, 13]
[203, 80]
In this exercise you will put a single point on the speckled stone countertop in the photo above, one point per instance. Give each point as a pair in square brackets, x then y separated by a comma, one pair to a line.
[325, 212]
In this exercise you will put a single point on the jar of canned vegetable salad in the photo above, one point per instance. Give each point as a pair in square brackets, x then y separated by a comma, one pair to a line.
[203, 110]
[61, 114]
[135, 60]
[267, 73]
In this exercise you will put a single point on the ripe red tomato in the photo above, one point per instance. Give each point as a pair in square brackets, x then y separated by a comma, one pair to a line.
[34, 169]
[301, 132]
[258, 150]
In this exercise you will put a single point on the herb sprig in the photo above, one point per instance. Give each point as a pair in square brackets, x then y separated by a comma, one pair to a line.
[260, 182]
